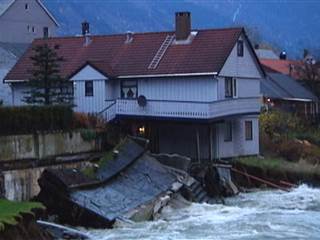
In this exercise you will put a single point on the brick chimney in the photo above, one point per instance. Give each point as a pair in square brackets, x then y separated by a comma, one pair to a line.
[85, 28]
[183, 25]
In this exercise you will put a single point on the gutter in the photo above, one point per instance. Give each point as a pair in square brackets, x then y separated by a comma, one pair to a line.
[146, 76]
[170, 75]
[298, 99]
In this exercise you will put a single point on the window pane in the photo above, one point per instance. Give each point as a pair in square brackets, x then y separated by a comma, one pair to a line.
[88, 88]
[234, 87]
[45, 32]
[129, 89]
[228, 131]
[228, 87]
[240, 48]
[248, 130]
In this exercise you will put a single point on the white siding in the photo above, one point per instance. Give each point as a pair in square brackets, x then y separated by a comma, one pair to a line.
[180, 89]
[239, 146]
[86, 104]
[18, 93]
[245, 67]
[112, 89]
[88, 73]
[5, 90]
[246, 87]
[181, 139]
[89, 104]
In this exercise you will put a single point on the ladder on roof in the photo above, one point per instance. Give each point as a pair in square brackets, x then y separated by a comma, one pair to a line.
[161, 51]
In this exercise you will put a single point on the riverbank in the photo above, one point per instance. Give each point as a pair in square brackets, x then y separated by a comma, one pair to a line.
[18, 221]
[276, 170]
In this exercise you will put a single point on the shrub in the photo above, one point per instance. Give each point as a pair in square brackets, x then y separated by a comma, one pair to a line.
[80, 120]
[83, 120]
[279, 123]
[31, 119]
[291, 150]
[311, 153]
[312, 135]
[88, 134]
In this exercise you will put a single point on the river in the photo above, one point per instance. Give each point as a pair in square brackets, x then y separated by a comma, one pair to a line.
[269, 214]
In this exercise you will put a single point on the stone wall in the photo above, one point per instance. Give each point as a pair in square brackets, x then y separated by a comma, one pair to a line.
[22, 184]
[40, 146]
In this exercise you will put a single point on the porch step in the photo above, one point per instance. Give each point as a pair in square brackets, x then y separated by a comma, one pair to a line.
[199, 194]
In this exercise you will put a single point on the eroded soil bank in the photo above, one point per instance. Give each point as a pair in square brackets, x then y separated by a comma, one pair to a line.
[25, 229]
[276, 171]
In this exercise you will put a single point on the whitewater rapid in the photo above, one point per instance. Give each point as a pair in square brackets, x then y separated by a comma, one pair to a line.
[268, 214]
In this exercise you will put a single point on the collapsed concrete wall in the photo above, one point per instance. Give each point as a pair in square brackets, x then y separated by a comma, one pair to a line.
[40, 146]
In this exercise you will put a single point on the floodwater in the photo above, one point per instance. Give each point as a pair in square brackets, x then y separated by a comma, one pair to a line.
[269, 214]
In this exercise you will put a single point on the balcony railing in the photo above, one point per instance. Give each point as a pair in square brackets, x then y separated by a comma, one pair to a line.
[183, 109]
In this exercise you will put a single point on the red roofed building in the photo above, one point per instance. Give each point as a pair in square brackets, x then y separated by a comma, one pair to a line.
[287, 67]
[192, 92]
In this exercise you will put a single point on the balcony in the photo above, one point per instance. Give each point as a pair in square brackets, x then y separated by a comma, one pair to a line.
[182, 109]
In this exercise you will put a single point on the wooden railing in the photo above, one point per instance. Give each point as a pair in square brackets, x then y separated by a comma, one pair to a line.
[183, 109]
[109, 112]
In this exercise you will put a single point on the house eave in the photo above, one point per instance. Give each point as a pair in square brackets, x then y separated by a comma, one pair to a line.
[14, 81]
[298, 99]
[170, 75]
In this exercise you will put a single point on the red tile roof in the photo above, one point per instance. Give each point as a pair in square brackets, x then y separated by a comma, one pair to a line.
[111, 55]
[281, 66]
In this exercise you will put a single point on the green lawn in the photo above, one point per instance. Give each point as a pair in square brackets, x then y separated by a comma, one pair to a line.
[10, 211]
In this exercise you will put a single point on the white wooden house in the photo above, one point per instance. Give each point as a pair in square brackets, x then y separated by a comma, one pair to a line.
[192, 92]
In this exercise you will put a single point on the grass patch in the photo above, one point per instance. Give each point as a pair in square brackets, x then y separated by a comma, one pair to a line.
[281, 165]
[10, 211]
[91, 171]
[105, 159]
[108, 156]
[266, 163]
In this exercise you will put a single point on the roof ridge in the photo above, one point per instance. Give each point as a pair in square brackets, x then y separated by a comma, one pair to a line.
[142, 33]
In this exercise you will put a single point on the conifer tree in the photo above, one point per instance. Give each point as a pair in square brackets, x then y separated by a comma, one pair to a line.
[47, 86]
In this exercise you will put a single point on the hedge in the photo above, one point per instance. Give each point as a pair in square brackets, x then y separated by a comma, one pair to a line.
[32, 119]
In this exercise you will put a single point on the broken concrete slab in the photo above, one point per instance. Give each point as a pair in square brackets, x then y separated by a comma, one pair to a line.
[140, 183]
[128, 186]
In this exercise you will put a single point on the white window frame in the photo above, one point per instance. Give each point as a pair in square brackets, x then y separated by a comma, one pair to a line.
[233, 89]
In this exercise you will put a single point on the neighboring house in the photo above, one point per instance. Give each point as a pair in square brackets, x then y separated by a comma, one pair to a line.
[265, 53]
[283, 92]
[284, 66]
[282, 88]
[21, 21]
[192, 92]
[7, 60]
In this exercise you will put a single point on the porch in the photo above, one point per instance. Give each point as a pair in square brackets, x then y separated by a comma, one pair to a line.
[201, 141]
[181, 109]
